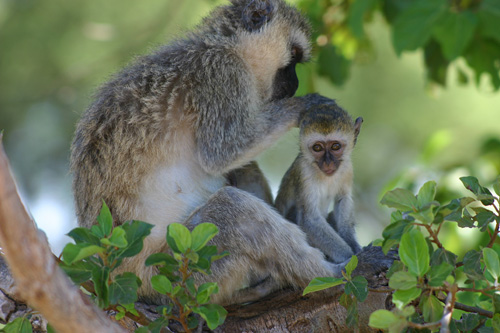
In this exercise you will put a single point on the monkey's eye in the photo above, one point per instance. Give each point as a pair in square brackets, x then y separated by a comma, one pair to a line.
[317, 147]
[336, 146]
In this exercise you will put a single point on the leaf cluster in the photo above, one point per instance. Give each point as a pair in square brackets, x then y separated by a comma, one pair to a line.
[98, 251]
[355, 290]
[444, 30]
[429, 281]
[189, 253]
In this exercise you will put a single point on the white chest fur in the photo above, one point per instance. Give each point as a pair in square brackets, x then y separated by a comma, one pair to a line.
[171, 192]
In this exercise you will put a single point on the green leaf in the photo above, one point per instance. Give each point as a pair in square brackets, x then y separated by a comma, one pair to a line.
[213, 314]
[495, 323]
[79, 272]
[454, 32]
[426, 194]
[321, 283]
[468, 322]
[202, 234]
[472, 184]
[351, 306]
[401, 199]
[403, 280]
[135, 232]
[356, 16]
[351, 265]
[484, 218]
[162, 259]
[383, 319]
[492, 263]
[413, 27]
[193, 257]
[397, 229]
[100, 277]
[431, 307]
[105, 220]
[357, 287]
[84, 235]
[205, 291]
[401, 298]
[154, 327]
[472, 265]
[18, 325]
[438, 274]
[464, 220]
[161, 284]
[441, 255]
[496, 303]
[489, 16]
[192, 322]
[76, 252]
[496, 186]
[178, 237]
[482, 56]
[396, 267]
[117, 238]
[414, 252]
[123, 289]
[333, 64]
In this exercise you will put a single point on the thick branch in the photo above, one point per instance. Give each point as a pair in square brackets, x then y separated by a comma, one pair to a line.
[39, 280]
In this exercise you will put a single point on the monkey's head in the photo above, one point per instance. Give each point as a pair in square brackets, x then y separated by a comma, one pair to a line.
[328, 136]
[270, 36]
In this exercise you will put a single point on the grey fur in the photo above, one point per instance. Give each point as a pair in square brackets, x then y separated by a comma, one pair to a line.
[306, 192]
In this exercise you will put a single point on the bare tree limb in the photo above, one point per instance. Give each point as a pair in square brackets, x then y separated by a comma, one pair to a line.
[38, 278]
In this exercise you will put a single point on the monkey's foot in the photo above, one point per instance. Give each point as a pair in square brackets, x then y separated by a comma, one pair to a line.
[372, 261]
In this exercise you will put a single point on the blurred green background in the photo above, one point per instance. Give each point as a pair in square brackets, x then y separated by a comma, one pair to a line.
[55, 53]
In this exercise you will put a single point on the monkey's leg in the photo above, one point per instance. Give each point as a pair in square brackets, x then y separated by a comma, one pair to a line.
[344, 222]
[260, 242]
[323, 236]
[251, 179]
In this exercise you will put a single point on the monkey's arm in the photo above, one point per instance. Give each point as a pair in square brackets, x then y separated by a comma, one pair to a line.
[342, 220]
[250, 178]
[233, 130]
[322, 236]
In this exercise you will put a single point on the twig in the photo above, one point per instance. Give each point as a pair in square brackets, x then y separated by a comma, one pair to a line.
[448, 309]
[468, 308]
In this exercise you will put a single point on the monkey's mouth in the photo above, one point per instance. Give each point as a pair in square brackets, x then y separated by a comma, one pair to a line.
[330, 170]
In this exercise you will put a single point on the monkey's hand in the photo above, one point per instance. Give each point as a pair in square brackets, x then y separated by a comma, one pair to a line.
[372, 261]
[313, 100]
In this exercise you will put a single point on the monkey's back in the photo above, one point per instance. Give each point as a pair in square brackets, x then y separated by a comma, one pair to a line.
[131, 125]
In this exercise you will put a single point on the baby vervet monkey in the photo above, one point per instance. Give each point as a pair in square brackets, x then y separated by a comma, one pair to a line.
[322, 174]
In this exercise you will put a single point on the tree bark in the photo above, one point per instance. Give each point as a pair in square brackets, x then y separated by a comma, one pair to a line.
[38, 278]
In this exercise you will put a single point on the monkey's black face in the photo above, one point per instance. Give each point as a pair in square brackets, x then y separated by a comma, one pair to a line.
[285, 82]
[328, 155]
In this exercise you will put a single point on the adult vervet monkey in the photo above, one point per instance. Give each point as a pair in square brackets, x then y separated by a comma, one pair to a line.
[160, 137]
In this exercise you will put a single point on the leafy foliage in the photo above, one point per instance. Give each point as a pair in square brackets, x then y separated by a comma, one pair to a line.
[189, 254]
[98, 251]
[355, 290]
[18, 325]
[444, 30]
[428, 277]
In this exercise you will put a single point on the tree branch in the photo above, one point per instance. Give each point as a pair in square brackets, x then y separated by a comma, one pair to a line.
[38, 278]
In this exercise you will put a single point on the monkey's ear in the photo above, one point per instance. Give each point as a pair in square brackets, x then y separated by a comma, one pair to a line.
[357, 128]
[256, 14]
